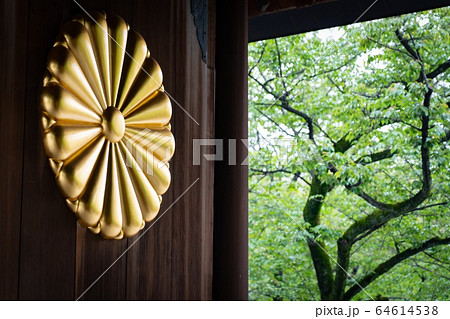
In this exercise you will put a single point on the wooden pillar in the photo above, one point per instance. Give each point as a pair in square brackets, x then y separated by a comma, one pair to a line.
[230, 275]
[13, 18]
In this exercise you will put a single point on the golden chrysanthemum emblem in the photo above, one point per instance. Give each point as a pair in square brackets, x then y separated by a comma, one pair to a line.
[106, 128]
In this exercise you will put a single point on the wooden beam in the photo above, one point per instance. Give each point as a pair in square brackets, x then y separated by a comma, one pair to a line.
[331, 14]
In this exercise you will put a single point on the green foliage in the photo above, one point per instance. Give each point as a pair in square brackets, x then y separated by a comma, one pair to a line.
[309, 94]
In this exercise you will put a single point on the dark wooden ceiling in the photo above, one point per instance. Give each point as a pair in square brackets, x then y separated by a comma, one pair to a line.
[276, 18]
[261, 7]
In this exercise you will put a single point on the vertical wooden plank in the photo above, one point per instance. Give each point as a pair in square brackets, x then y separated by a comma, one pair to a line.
[177, 250]
[12, 99]
[94, 255]
[200, 96]
[47, 250]
[231, 184]
[153, 20]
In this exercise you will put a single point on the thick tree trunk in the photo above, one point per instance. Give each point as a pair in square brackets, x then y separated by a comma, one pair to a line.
[341, 268]
[319, 255]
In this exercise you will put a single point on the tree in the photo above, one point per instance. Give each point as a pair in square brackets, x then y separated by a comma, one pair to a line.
[350, 130]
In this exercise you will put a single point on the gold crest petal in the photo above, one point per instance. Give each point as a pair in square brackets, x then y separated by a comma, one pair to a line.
[155, 111]
[61, 141]
[111, 220]
[46, 121]
[146, 194]
[55, 166]
[95, 229]
[156, 171]
[98, 32]
[147, 82]
[160, 143]
[118, 32]
[63, 65]
[137, 52]
[79, 42]
[59, 103]
[75, 172]
[48, 78]
[90, 205]
[132, 216]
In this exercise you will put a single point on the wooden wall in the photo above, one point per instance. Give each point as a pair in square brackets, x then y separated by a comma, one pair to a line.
[44, 253]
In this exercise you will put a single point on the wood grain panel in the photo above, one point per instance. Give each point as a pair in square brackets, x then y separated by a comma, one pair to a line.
[12, 100]
[94, 256]
[177, 250]
[47, 254]
[56, 258]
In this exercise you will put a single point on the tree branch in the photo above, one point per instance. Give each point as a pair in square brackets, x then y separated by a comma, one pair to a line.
[416, 55]
[265, 172]
[344, 144]
[439, 70]
[280, 65]
[324, 133]
[406, 45]
[387, 46]
[375, 157]
[259, 59]
[281, 170]
[386, 212]
[309, 121]
[335, 84]
[390, 263]
[446, 138]
[264, 86]
[346, 63]
[429, 206]
[274, 122]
